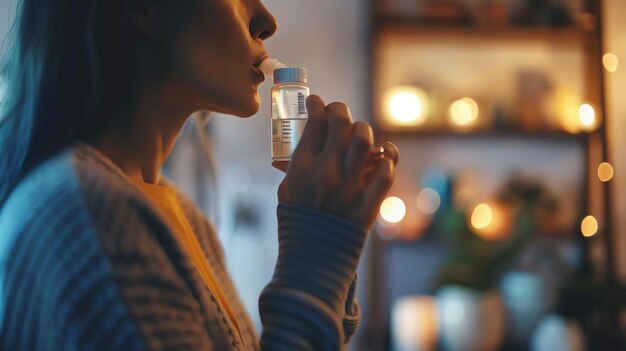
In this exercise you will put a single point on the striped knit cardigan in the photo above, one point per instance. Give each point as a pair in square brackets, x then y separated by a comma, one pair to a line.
[86, 263]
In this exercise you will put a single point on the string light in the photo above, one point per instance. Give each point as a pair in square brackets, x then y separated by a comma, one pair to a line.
[589, 226]
[611, 62]
[605, 172]
[393, 209]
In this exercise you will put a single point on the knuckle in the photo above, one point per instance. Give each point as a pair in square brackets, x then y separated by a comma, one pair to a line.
[362, 141]
[337, 106]
[339, 113]
[364, 126]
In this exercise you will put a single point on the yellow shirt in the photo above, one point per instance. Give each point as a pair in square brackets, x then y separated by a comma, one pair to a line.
[164, 198]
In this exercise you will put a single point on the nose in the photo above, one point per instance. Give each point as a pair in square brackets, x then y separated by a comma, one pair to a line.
[263, 24]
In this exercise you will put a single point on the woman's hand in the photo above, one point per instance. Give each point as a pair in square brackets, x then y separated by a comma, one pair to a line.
[335, 167]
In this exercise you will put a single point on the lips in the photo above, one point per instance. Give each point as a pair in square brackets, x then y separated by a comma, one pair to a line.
[260, 60]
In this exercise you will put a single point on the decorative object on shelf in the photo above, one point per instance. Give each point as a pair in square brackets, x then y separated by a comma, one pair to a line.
[470, 320]
[532, 91]
[414, 324]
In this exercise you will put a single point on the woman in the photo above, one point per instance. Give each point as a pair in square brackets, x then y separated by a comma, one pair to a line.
[98, 250]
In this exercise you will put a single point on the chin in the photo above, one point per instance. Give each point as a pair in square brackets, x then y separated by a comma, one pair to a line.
[248, 107]
[241, 105]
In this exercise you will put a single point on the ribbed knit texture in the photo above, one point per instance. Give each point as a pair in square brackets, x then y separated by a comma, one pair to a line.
[87, 264]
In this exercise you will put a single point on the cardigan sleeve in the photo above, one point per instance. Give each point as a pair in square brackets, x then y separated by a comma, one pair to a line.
[58, 289]
[309, 303]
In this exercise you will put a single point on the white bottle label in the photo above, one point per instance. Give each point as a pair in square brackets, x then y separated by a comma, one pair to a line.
[286, 134]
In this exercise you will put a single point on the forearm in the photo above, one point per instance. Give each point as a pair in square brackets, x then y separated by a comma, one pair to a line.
[307, 299]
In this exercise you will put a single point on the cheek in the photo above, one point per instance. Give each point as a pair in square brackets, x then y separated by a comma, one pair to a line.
[214, 56]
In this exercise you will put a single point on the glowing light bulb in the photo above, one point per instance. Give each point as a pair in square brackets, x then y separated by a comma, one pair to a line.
[605, 171]
[464, 112]
[611, 62]
[393, 209]
[589, 226]
[482, 216]
[587, 116]
[407, 105]
[428, 201]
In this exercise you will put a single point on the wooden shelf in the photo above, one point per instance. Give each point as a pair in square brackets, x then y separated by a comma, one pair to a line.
[416, 28]
[499, 134]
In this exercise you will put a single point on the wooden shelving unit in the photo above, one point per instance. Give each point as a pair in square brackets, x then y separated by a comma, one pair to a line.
[377, 326]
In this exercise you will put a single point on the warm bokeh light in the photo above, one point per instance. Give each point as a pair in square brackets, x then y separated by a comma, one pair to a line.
[482, 216]
[564, 106]
[588, 117]
[415, 324]
[611, 62]
[605, 171]
[490, 221]
[393, 209]
[589, 226]
[464, 112]
[428, 201]
[407, 105]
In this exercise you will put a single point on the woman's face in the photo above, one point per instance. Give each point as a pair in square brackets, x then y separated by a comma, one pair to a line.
[213, 49]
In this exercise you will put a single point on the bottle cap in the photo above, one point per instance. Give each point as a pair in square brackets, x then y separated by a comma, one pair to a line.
[290, 75]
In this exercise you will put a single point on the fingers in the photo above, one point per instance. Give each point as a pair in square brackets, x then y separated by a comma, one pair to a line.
[382, 179]
[339, 129]
[359, 150]
[314, 134]
[281, 165]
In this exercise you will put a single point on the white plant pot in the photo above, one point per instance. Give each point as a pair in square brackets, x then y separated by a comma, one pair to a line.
[470, 320]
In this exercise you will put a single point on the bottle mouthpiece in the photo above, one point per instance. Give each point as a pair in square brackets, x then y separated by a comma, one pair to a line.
[269, 65]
